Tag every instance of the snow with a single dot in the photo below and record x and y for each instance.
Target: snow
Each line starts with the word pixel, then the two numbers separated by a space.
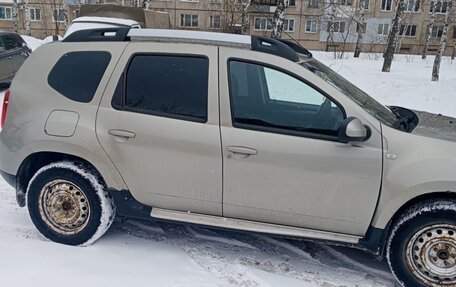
pixel 408 84
pixel 32 43
pixel 134 253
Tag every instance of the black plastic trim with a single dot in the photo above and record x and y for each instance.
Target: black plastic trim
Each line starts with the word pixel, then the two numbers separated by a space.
pixel 296 47
pixel 375 241
pixel 128 206
pixel 274 47
pixel 98 35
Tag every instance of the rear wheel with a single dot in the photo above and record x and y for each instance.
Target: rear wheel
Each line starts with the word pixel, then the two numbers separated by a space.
pixel 421 249
pixel 69 204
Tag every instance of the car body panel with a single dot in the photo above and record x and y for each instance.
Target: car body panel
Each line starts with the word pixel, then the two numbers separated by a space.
pixel 170 163
pixel 414 165
pixel 293 180
pixel 31 102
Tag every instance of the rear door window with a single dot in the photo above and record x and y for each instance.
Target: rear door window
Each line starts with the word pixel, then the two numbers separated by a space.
pixel 168 86
pixel 76 75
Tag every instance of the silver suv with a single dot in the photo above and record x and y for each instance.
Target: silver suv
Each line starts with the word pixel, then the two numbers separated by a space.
pixel 241 132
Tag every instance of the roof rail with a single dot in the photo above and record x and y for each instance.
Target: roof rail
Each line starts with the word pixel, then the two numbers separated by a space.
pixel 114 34
pixel 296 47
pixel 281 48
pixel 273 46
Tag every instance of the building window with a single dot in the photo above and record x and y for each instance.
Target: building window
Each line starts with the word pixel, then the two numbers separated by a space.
pixel 366 4
pixel 383 29
pixel 214 22
pixel 311 26
pixel 412 6
pixel 386 5
pixel 58 15
pixel 346 2
pixel 35 14
pixel 314 3
pixel 338 27
pixel 361 28
pixel 262 24
pixel 6 13
pixel 289 25
pixel 454 32
pixel 188 20
pixel 437 31
pixel 409 32
pixel 439 6
pixel 291 2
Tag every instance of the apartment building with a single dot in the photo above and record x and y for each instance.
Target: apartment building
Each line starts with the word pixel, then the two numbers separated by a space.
pixel 47 17
pixel 306 21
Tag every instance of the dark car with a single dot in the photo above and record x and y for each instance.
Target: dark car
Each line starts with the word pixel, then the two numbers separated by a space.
pixel 13 52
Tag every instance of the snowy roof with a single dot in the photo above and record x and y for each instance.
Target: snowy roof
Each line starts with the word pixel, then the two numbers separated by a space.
pixel 189 36
pixel 109 20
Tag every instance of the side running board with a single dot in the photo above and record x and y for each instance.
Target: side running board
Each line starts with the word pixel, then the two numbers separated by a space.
pixel 253 226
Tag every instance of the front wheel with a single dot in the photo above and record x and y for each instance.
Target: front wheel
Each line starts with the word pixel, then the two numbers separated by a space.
pixel 421 249
pixel 69 203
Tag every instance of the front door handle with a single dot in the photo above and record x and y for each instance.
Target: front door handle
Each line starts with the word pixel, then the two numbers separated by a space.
pixel 121 133
pixel 242 150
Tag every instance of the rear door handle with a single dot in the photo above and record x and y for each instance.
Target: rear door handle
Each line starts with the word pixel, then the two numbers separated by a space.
pixel 242 150
pixel 121 133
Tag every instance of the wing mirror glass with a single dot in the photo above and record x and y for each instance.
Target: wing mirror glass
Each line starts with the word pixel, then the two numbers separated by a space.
pixel 353 130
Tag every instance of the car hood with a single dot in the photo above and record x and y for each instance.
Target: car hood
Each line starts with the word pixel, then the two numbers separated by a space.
pixel 435 126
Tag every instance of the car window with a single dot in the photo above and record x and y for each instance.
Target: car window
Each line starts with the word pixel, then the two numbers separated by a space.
pixel 11 43
pixel 265 97
pixel 2 44
pixel 76 75
pixel 170 86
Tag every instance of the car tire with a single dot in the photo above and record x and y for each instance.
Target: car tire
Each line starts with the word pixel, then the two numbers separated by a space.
pixel 68 203
pixel 421 249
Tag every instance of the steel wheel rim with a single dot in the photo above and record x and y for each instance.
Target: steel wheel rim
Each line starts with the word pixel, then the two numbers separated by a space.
pixel 431 255
pixel 64 207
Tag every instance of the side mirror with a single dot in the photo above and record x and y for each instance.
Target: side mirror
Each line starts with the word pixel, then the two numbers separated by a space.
pixel 353 130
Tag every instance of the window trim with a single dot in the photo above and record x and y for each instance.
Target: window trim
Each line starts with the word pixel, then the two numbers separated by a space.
pixel 11 13
pixel 316 26
pixel 123 93
pixel 303 134
pixel 34 13
pixel 386 10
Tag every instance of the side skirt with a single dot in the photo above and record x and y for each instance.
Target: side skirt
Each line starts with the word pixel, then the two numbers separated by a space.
pixel 245 225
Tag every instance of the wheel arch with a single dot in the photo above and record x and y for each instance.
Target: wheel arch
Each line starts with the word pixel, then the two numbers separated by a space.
pixel 33 162
pixel 403 208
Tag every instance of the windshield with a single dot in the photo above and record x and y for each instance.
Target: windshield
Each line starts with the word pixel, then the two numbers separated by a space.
pixel 373 107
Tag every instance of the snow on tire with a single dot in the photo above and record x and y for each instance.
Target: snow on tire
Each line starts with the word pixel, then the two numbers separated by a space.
pixel 421 248
pixel 69 203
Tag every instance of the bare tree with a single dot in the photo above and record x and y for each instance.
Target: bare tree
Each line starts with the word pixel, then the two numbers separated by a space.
pixel 231 11
pixel 453 55
pixel 245 16
pixel 332 10
pixel 392 39
pixel 361 27
pixel 407 20
pixel 429 31
pixel 15 17
pixel 27 18
pixel 443 42
pixel 277 21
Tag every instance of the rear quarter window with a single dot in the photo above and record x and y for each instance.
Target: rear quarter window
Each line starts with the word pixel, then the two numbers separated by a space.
pixel 76 75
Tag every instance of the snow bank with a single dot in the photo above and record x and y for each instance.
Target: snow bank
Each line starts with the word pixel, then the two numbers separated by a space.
pixel 408 84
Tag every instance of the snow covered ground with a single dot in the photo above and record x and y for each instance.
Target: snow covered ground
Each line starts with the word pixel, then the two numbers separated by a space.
pixel 135 253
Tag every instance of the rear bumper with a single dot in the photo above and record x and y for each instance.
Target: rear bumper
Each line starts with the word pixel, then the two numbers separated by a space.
pixel 11 180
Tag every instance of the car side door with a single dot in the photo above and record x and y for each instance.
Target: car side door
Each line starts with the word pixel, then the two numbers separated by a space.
pixel 158 122
pixel 283 162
